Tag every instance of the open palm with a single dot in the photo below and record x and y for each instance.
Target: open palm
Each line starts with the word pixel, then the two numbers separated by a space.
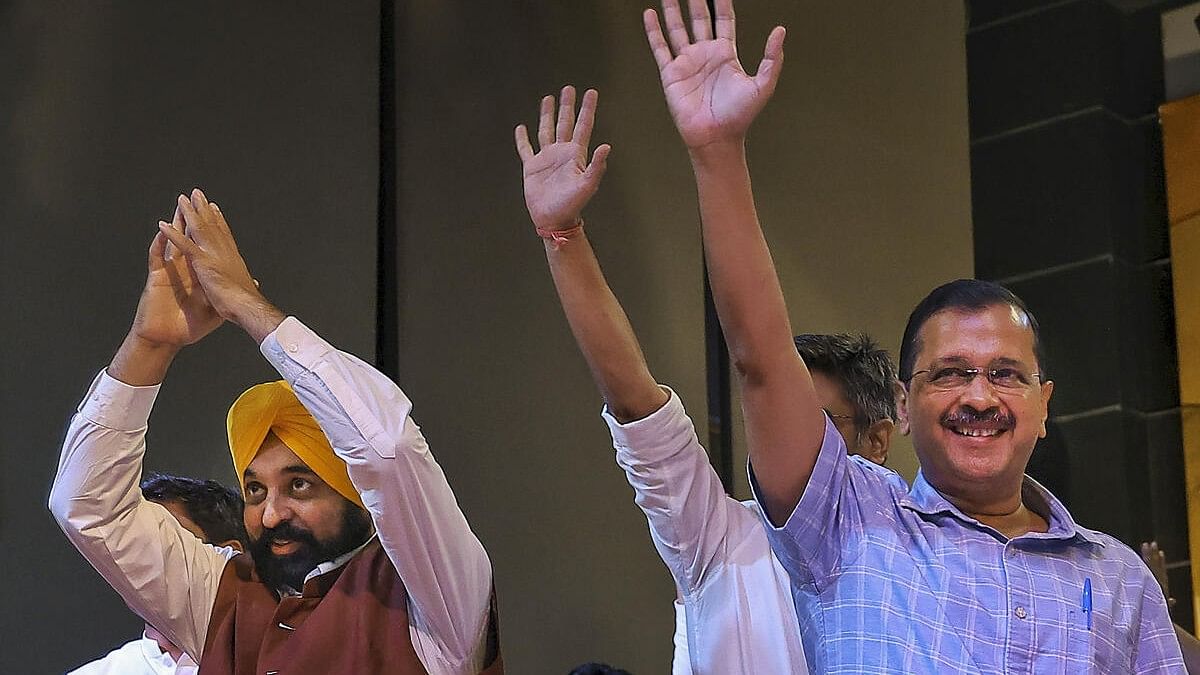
pixel 558 178
pixel 710 95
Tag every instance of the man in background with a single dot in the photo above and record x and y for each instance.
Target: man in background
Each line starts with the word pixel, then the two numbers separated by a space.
pixel 213 513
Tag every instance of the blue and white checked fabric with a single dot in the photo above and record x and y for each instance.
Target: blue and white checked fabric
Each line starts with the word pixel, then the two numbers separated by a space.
pixel 890 580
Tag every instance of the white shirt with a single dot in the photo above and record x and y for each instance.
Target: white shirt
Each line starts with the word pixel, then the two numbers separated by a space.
pixel 170 578
pixel 138 657
pixel 738 615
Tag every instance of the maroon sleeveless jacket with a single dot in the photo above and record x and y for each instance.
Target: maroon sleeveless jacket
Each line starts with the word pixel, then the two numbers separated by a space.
pixel 350 620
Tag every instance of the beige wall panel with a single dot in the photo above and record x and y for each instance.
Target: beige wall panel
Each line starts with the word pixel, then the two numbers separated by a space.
pixel 1181 135
pixel 1185 271
pixel 862 175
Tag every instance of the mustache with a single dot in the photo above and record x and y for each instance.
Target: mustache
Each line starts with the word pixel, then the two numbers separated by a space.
pixel 287 530
pixel 992 417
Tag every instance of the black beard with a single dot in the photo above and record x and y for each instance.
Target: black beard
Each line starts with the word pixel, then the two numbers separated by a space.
pixel 288 571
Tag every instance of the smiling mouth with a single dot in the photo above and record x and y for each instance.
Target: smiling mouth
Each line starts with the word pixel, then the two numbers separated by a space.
pixel 973 432
pixel 284 546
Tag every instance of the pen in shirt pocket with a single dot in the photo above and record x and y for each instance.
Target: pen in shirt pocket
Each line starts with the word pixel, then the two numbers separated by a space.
pixel 1087 601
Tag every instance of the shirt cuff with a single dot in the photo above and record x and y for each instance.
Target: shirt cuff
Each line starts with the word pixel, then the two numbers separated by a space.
pixel 292 341
pixel 112 404
pixel 653 437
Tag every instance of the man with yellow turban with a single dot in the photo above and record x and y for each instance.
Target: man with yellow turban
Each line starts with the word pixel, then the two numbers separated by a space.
pixel 360 560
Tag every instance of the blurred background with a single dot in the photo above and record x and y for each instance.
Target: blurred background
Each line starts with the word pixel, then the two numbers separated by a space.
pixel 363 155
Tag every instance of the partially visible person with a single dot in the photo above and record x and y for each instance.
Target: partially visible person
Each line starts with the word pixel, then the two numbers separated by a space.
pixel 1156 560
pixel 211 512
pixel 597 669
pixel 735 612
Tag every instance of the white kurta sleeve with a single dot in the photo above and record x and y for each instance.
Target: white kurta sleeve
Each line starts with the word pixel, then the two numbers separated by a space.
pixel 676 487
pixel 421 527
pixel 163 572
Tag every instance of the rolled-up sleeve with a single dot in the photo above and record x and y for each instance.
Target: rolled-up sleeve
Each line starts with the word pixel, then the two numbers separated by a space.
pixel 677 489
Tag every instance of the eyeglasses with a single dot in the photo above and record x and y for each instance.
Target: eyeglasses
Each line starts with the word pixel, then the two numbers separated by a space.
pixel 835 417
pixel 1005 378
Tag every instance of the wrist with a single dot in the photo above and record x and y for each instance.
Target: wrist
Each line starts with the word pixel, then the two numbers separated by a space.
pixel 718 153
pixel 137 343
pixel 257 316
pixel 140 362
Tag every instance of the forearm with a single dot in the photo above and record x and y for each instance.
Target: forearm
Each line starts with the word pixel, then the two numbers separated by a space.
pixel 783 419
pixel 141 363
pixel 745 286
pixel 602 331
pixel 257 316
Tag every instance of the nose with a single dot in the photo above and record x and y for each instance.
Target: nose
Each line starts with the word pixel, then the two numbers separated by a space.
pixel 275 511
pixel 979 393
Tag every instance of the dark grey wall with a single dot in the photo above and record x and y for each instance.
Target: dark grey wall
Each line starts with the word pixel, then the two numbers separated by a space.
pixel 109 111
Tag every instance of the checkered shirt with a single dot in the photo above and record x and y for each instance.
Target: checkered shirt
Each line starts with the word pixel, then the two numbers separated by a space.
pixel 891 580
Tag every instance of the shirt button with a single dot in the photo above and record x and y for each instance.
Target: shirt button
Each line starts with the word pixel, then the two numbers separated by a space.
pixel 1012 553
pixel 293 348
pixel 1021 613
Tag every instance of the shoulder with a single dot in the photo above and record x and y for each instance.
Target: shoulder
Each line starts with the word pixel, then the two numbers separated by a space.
pixel 879 477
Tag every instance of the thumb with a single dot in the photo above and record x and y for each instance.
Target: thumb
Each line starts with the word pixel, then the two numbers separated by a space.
pixel 158 249
pixel 772 62
pixel 595 170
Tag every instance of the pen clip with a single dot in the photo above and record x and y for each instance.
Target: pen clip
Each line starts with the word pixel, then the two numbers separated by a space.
pixel 1087 601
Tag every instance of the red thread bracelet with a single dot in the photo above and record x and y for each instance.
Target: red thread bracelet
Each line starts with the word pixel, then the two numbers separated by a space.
pixel 559 237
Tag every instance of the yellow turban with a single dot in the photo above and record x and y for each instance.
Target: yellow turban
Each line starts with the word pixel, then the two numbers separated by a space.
pixel 273 407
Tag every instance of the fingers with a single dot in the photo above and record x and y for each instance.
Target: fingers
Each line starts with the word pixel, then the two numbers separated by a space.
pixel 566 114
pixel 158 248
pixel 772 63
pixel 524 148
pixel 179 239
pixel 218 217
pixel 193 223
pixel 595 170
pixel 654 35
pixel 676 31
pixel 701 20
pixel 587 119
pixel 546 122
pixel 726 24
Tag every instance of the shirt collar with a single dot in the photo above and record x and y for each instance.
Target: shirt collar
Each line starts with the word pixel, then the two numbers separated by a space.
pixel 328 566
pixel 926 500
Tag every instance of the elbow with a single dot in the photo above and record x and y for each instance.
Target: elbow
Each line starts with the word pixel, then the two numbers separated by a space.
pixel 59 504
pixel 750 372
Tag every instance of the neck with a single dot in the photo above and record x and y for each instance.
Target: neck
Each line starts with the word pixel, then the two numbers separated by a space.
pixel 164 644
pixel 1007 513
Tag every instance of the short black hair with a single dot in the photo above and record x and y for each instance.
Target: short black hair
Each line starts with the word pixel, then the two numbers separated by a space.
pixel 862 367
pixel 215 508
pixel 965 295
pixel 597 669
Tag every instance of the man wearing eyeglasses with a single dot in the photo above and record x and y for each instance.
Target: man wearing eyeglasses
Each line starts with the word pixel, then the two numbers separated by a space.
pixel 976 568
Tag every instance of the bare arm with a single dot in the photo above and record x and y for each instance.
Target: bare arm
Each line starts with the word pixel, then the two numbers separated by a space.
pixel 713 101
pixel 558 184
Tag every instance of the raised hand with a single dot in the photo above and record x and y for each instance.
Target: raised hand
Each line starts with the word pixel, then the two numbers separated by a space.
pixel 173 311
pixel 558 179
pixel 710 95
pixel 211 251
